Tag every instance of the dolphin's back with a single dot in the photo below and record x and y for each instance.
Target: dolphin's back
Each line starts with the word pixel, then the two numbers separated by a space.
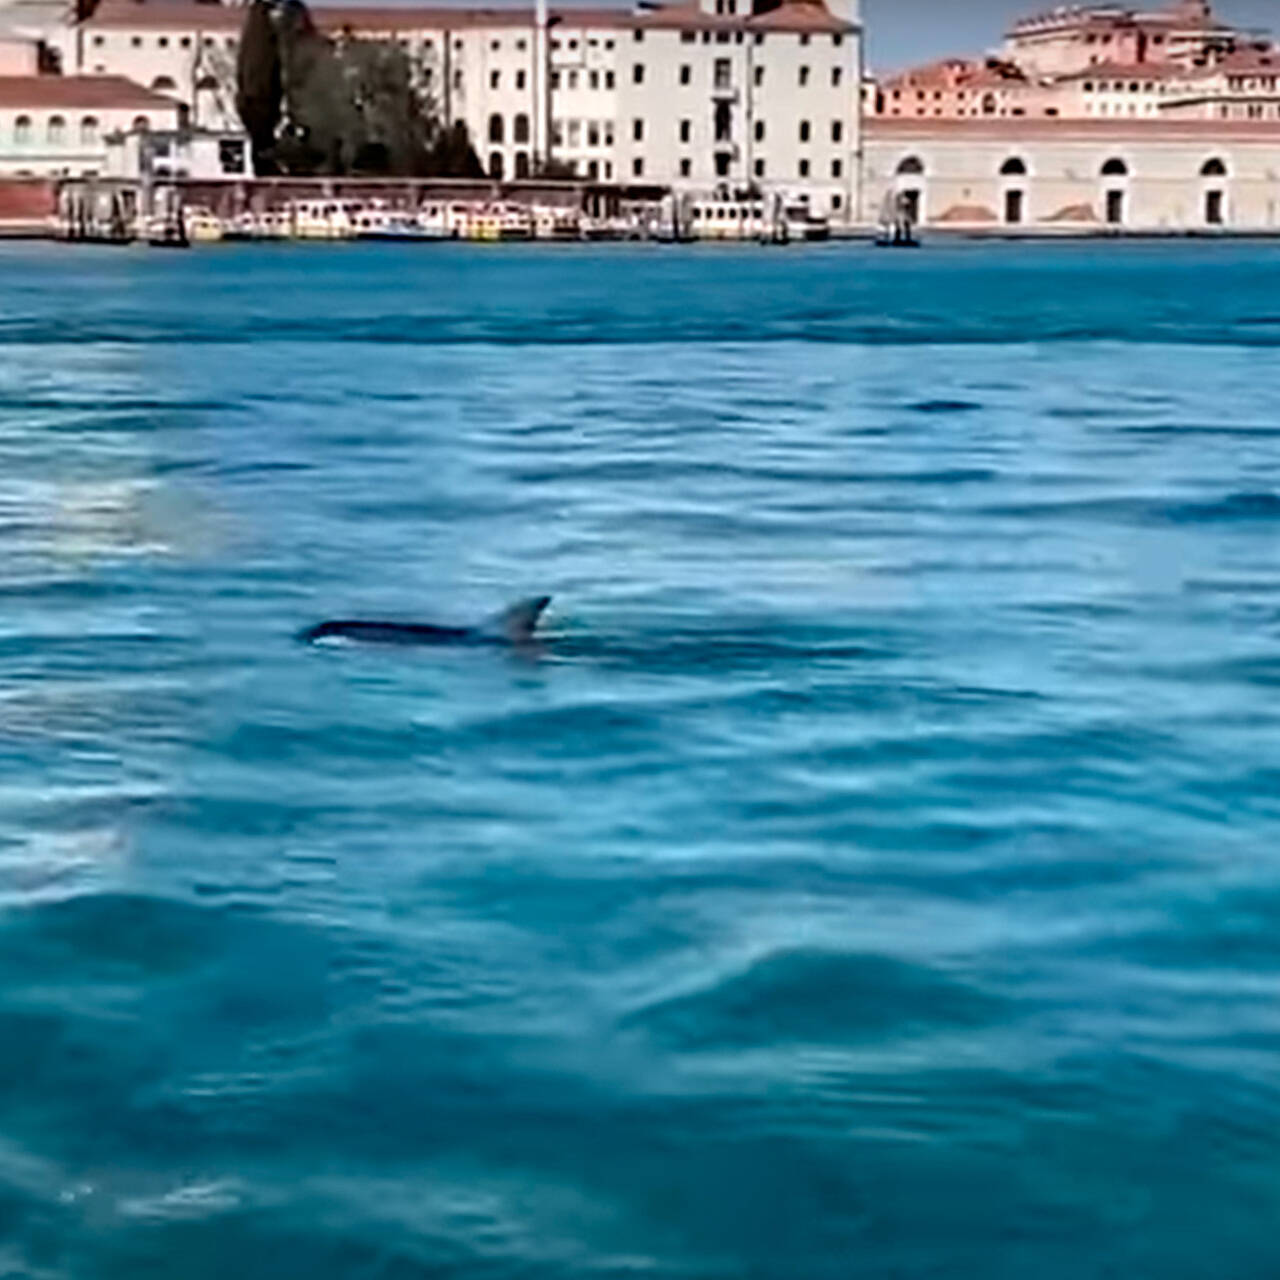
pixel 367 632
pixel 513 626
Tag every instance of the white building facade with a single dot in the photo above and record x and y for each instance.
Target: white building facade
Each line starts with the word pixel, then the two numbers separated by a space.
pixel 706 96
pixel 54 126
pixel 1073 176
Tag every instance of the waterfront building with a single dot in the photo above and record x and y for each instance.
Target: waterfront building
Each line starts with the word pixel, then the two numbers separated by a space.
pixel 715 95
pixel 1072 176
pixel 1098 61
pixel 53 125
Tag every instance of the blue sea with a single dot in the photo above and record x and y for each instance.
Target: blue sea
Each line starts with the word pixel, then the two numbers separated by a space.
pixel 875 873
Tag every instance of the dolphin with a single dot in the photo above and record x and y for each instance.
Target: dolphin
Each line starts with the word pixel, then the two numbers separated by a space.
pixel 514 626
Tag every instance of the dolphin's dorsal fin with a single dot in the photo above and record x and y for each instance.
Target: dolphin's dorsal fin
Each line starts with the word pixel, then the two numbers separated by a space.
pixel 517 624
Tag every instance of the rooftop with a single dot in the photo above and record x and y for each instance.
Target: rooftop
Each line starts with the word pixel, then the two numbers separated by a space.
pixel 74 92
pixel 188 15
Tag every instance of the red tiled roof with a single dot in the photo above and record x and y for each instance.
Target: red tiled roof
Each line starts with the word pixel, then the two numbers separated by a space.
pixel 791 16
pixel 74 92
pixel 1248 62
pixel 955 73
pixel 1131 71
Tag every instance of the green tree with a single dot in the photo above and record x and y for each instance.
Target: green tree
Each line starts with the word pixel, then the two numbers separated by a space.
pixel 259 83
pixel 452 155
pixel 348 106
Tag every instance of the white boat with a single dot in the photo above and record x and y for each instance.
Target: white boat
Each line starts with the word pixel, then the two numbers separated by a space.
pixel 801 223
pixel 725 218
pixel 325 219
pixel 202 224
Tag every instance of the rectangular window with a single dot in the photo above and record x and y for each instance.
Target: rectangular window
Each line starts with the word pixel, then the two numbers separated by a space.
pixel 804 131
pixel 595 79
pixel 555 79
pixel 759 37
pixel 1115 208
pixel 686 130
pixel 608 79
pixel 837 39
pixel 686 168
pixel 1213 208
pixel 573 79
pixel 163 42
pixel 804 76
pixel 804 168
pixel 457 79
pixel 837 168
pixel 835 77
pixel 837 130
pixel 639 36
pixel 608 133
pixel 759 130
pixel 759 168
pixel 637 73
pixel 723 73
pixel 686 73
pixel 637 130
pixel 637 167
pixel 98 42
pixel 522 45
pixel 593 134
pixel 495 45
pixel 494 77
pixel 136 42
pixel 1013 207
pixel 519 79
pixel 804 39
pixel 722 165
pixel 557 133
pixel 759 76
pixel 688 37
pixel 575 132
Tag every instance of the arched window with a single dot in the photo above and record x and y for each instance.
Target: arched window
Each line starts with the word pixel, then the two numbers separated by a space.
pixel 911 165
pixel 89 131
pixel 1115 168
pixel 56 131
pixel 521 130
pixel 163 84
pixel 22 131
pixel 495 165
pixel 522 164
pixel 141 124
pixel 1013 167
pixel 988 104
pixel 495 128
pixel 1214 168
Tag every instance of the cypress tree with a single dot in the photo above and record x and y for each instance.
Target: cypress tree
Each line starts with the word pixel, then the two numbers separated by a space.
pixel 259 83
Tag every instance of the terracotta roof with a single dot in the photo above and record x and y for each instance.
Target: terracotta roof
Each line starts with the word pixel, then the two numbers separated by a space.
pixel 791 16
pixel 1247 62
pixel 1130 71
pixel 955 73
pixel 1068 129
pixel 74 92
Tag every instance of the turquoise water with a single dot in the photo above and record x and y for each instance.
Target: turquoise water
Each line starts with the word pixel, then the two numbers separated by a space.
pixel 877 875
